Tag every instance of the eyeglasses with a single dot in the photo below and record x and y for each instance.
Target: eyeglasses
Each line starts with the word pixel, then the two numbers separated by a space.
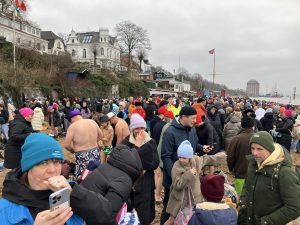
pixel 55 162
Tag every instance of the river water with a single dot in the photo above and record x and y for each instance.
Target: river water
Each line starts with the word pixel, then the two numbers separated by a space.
pixel 282 100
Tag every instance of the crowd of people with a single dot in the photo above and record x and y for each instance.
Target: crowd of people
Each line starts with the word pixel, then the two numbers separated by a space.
pixel 136 153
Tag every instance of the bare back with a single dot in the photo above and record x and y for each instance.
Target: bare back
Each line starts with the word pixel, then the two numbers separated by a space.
pixel 83 134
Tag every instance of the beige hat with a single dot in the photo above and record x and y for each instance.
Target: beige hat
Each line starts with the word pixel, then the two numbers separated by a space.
pixel 110 115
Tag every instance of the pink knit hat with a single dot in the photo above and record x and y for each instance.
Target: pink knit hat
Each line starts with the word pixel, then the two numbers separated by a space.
pixel 288 112
pixel 136 121
pixel 26 112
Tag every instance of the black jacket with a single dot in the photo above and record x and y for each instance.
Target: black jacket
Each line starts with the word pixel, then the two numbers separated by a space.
pixel 101 194
pixel 150 110
pixel 157 130
pixel 207 135
pixel 152 124
pixel 142 198
pixel 19 129
pixel 267 121
pixel 4 114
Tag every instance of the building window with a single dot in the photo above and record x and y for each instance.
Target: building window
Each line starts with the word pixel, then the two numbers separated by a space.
pixel 102 51
pixel 101 39
pixel 33 30
pixel 44 48
pixel 84 53
pixel 107 53
pixel 73 52
pixel 58 45
pixel 18 40
pixel 104 39
pixel 23 27
pixel 38 46
pixel 87 39
pixel 29 43
pixel 73 41
pixel 29 29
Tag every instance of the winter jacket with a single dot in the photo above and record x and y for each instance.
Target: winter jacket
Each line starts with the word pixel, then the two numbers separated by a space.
pixel 210 213
pixel 231 129
pixel 19 129
pixel 86 113
pixel 216 122
pixel 54 119
pixel 37 119
pixel 207 135
pixel 4 115
pixel 152 124
pixel 271 192
pixel 173 136
pixel 268 121
pixel 102 193
pixel 20 204
pixel 237 151
pixel 143 191
pixel 150 110
pixel 200 109
pixel 182 178
pixel 157 130
pixel 161 165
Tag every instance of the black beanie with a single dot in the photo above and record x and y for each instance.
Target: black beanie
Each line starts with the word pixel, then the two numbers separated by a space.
pixel 187 111
pixel 163 103
pixel 247 122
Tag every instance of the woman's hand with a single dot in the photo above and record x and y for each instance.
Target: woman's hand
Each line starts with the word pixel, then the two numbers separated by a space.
pixel 193 171
pixel 140 138
pixel 56 217
pixel 57 183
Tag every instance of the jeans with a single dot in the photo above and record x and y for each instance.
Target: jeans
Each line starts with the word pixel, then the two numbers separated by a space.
pixel 4 130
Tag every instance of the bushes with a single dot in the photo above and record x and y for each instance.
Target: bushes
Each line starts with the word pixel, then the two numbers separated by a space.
pixel 128 87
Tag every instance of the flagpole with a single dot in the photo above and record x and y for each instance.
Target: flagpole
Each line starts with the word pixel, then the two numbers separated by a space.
pixel 214 73
pixel 14 45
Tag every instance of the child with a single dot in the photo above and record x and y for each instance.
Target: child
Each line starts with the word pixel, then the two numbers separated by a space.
pixel 106 141
pixel 213 211
pixel 186 172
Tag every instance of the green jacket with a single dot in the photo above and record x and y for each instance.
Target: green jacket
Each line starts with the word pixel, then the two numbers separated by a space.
pixel 271 194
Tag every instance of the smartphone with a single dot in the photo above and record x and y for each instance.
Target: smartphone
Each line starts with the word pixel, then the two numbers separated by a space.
pixel 59 199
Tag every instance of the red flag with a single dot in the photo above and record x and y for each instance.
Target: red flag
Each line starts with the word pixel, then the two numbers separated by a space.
pixel 21 5
pixel 211 51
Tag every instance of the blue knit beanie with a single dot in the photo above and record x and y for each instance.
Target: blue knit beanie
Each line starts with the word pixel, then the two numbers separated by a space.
pixel 185 150
pixel 38 148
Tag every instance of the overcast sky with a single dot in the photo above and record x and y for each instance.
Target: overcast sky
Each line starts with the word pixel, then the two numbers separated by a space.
pixel 254 39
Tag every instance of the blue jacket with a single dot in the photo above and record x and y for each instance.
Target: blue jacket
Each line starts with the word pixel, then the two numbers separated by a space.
pixel 173 136
pixel 14 214
pixel 214 217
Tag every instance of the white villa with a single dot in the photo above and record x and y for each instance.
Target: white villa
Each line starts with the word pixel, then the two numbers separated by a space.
pixel 96 48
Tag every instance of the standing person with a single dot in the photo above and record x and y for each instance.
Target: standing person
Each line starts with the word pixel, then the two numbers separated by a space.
pixel 143 193
pixel 271 192
pixel 139 109
pixel 237 151
pixel 268 121
pixel 82 139
pixel 259 112
pixel 122 113
pixel 179 130
pixel 54 118
pixel 186 172
pixel 108 135
pixel 232 128
pixel 4 116
pixel 131 106
pixel 121 128
pixel 213 211
pixel 151 110
pixel 106 107
pixel 214 118
pixel 67 109
pixel 159 116
pixel 37 118
pixel 85 111
pixel 19 129
pixel 11 109
pixel 27 189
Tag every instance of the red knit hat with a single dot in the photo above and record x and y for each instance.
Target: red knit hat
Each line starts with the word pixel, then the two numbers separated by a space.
pixel 169 114
pixel 212 187
pixel 162 110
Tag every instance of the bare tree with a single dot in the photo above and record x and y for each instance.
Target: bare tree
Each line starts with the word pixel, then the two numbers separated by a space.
pixel 95 50
pixel 131 37
pixel 142 56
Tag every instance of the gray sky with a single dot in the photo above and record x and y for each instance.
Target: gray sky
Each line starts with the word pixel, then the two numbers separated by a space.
pixel 256 39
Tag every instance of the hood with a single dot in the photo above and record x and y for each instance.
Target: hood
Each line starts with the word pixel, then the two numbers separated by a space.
pixel 269 115
pixel 15 191
pixel 20 118
pixel 127 160
pixel 37 110
pixel 235 119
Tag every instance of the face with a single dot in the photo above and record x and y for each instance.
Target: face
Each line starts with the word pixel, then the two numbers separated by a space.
pixel 136 131
pixel 184 161
pixel 29 118
pixel 213 110
pixel 39 174
pixel 170 100
pixel 259 152
pixel 188 120
pixel 84 104
pixel 104 124
pixel 121 107
pixel 131 99
pixel 68 104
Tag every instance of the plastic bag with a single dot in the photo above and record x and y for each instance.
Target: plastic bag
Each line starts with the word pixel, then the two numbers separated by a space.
pixel 186 210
